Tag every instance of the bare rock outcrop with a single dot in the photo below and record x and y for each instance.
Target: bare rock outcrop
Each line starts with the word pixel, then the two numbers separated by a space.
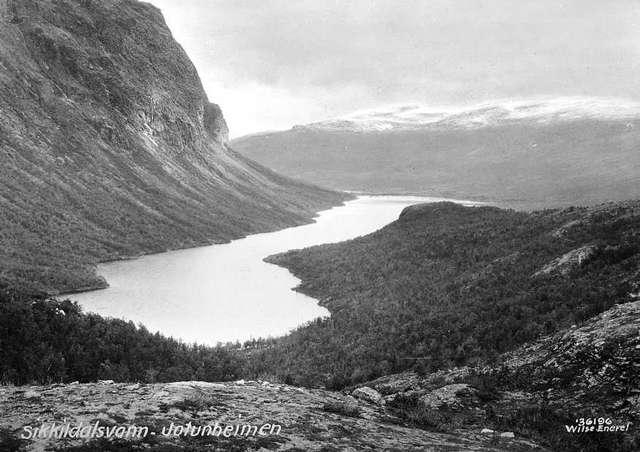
pixel 296 419
pixel 449 396
pixel 568 261
pixel 368 395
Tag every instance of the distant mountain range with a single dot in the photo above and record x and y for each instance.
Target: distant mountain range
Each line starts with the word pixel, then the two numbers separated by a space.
pixel 109 147
pixel 490 114
pixel 523 153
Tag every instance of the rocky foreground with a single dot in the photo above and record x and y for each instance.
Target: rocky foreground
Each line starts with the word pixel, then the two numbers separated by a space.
pixel 309 419
pixel 525 401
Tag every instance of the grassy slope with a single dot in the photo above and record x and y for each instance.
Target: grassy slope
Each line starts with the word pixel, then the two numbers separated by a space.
pixel 448 285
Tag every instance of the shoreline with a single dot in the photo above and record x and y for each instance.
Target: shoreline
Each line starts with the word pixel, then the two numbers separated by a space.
pixel 121 258
pixel 353 195
pixel 210 279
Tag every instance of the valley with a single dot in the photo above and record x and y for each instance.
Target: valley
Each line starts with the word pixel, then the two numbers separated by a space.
pixel 409 277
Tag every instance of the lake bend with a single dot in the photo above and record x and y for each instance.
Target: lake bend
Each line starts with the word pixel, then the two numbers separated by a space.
pixel 226 292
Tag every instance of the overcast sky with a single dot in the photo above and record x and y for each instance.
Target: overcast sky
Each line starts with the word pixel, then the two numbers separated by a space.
pixel 271 64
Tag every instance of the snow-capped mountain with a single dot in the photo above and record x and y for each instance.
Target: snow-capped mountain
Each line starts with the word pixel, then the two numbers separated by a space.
pixel 521 153
pixel 488 114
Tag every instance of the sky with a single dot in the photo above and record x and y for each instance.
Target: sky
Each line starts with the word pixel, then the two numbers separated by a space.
pixel 271 64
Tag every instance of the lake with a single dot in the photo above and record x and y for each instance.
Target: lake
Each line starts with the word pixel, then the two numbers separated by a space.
pixel 227 292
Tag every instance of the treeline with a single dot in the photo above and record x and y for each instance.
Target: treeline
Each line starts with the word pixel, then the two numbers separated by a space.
pixel 45 341
pixel 447 285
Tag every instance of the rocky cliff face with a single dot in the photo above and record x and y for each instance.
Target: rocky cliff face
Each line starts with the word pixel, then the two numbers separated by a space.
pixel 110 147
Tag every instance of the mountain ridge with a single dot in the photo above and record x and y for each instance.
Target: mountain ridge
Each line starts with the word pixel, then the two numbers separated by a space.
pixel 486 114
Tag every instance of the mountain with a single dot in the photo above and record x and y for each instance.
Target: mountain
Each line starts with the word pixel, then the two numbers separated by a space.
pixel 109 147
pixel 520 153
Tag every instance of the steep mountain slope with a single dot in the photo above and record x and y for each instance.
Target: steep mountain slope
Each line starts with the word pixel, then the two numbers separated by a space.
pixel 109 147
pixel 527 154
pixel 447 285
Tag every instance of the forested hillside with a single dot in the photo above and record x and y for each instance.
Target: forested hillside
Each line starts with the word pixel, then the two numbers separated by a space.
pixel 44 340
pixel 440 295
pixel 109 147
pixel 539 391
pixel 447 285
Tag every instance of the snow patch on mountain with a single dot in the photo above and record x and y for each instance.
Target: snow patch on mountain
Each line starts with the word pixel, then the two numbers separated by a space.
pixel 488 114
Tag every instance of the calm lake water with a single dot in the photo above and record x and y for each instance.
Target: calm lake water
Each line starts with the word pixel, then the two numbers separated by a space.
pixel 227 292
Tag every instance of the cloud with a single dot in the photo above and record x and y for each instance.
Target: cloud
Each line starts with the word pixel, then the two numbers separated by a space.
pixel 275 63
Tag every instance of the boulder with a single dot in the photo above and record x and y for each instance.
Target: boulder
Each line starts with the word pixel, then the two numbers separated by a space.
pixel 348 407
pixel 393 384
pixel 31 395
pixel 369 395
pixel 451 396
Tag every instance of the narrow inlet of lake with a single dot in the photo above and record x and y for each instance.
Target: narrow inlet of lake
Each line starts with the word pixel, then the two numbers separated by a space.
pixel 227 292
